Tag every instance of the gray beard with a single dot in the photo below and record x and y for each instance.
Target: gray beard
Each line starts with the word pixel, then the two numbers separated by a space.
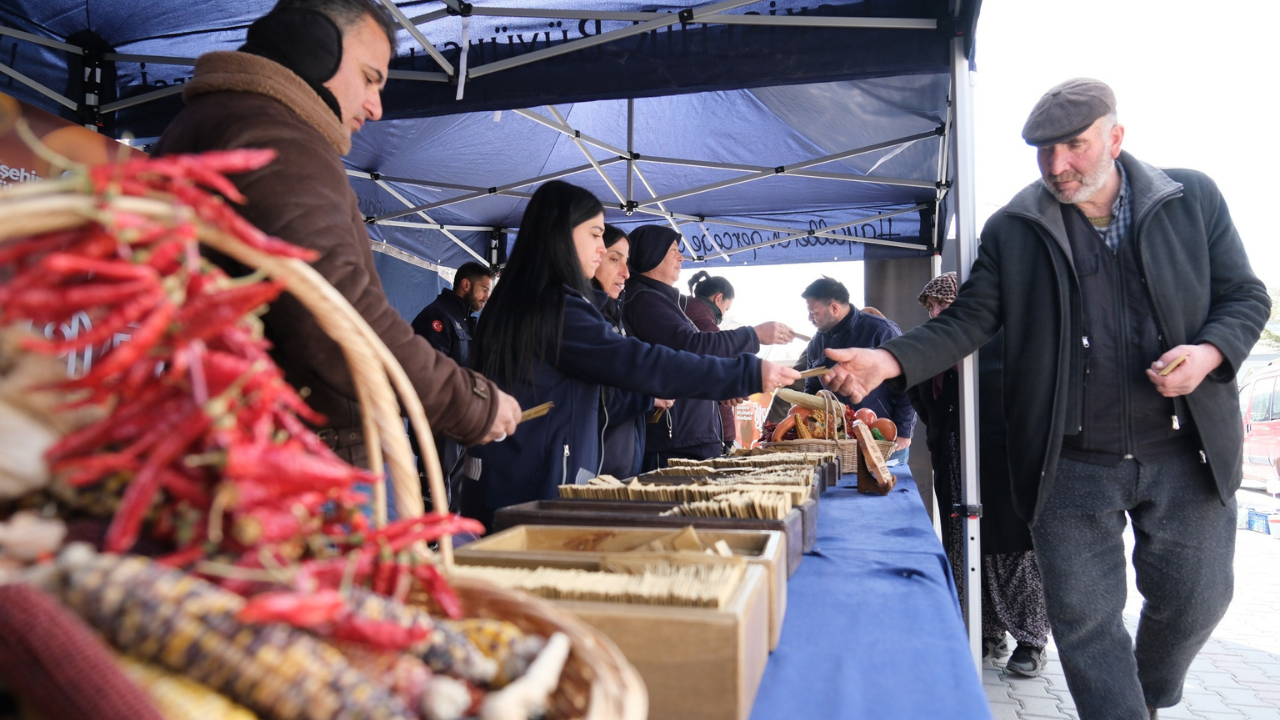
pixel 1090 184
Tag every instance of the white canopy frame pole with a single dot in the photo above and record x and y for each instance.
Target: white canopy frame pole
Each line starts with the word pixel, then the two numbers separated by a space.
pixel 508 189
pixel 408 25
pixel 397 253
pixel 967 250
pixel 590 158
pixel 944 159
pixel 631 152
pixel 670 216
pixel 408 203
pixel 783 169
pixel 664 19
pixel 565 129
pixel 767 171
pixel 34 85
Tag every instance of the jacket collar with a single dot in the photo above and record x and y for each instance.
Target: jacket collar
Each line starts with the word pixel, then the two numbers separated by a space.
pixel 242 72
pixel 716 314
pixel 1148 185
pixel 461 307
pixel 845 324
pixel 649 283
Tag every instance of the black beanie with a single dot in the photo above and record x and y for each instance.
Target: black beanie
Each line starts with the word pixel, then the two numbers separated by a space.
pixel 649 244
pixel 305 41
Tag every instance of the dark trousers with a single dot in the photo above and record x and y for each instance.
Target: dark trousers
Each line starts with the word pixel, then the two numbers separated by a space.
pixel 1184 543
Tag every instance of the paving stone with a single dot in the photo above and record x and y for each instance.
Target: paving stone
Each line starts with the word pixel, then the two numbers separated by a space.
pixel 1216 681
pixel 1040 706
pixel 1201 704
pixel 1178 712
pixel 1242 696
pixel 1005 711
pixel 1033 688
pixel 1258 713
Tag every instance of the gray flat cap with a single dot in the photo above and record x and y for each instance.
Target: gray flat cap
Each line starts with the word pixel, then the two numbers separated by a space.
pixel 1067 110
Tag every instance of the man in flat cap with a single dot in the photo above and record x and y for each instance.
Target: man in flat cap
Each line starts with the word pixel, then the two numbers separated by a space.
pixel 1128 305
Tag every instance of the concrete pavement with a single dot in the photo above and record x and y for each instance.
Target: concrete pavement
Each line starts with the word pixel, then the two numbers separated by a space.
pixel 1236 675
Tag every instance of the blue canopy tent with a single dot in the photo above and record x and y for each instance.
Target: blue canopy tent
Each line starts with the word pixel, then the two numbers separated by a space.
pixel 765 131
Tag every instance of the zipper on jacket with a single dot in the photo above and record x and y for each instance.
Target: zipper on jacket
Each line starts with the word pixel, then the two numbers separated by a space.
pixel 1122 345
pixel 1085 362
pixel 564 467
pixel 1146 287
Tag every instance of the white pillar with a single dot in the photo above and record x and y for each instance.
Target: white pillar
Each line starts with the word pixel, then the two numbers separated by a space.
pixel 967 250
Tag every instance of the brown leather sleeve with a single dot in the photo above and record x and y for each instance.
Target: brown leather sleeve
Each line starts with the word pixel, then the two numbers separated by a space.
pixel 304 197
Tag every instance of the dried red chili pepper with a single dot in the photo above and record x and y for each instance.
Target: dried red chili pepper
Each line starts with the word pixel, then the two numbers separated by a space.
pixel 185 488
pixel 289 466
pixel 438 589
pixel 206 315
pixel 304 610
pixel 122 356
pixel 102 330
pixel 379 634
pixel 127 523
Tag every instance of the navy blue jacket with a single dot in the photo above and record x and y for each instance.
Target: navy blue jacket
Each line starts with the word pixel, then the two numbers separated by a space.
pixel 860 330
pixel 447 323
pixel 622 421
pixel 653 314
pixel 563 446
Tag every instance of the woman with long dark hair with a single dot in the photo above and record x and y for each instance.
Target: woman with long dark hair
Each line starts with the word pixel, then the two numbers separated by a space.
pixel 541 339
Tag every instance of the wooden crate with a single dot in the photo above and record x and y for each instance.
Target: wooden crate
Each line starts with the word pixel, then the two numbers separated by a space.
pixel 814 487
pixel 639 513
pixel 698 663
pixel 586 547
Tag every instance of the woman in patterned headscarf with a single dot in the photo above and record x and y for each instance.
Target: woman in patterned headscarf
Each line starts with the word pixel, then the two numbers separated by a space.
pixel 1012 596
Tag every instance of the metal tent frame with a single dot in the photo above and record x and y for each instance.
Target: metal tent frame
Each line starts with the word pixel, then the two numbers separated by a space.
pixel 434 29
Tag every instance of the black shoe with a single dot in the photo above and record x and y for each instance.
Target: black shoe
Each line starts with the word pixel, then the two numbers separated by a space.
pixel 1027 660
pixel 994 648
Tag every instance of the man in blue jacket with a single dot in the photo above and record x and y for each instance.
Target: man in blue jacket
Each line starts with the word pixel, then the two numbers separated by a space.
pixel 1128 305
pixel 449 324
pixel 841 325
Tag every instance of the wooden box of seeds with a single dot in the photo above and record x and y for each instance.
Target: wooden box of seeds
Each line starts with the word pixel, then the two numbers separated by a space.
pixel 698 661
pixel 642 514
pixel 586 547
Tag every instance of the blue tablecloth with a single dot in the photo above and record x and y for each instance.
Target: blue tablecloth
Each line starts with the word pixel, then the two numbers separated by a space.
pixel 873 627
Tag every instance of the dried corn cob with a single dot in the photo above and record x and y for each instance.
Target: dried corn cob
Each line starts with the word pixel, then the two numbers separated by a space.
pixel 166 617
pixel 181 698
pixel 447 650
pixel 502 642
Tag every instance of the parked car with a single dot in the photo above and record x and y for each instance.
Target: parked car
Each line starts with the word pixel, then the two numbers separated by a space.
pixel 1260 413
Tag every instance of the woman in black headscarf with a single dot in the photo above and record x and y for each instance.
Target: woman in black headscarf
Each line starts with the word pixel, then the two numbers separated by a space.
pixel 654 313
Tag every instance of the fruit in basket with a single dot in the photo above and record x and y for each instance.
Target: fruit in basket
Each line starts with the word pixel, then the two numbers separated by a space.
pixel 788 424
pixel 886 427
pixel 866 415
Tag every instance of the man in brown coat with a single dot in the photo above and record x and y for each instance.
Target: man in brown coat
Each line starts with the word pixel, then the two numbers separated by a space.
pixel 310 75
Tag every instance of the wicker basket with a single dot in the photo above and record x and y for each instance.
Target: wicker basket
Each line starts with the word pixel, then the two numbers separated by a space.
pixel 597 682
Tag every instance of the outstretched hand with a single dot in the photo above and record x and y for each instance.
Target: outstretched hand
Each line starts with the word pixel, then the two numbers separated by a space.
pixel 858 371
pixel 774 376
